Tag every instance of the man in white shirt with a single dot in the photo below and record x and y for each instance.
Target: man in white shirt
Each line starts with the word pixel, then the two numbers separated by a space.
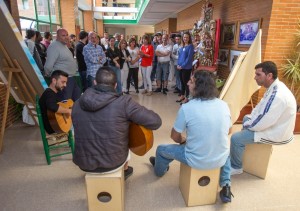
pixel 104 40
pixel 272 121
pixel 163 52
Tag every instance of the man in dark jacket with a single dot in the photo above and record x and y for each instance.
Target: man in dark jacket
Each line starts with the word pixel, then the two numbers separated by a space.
pixel 101 119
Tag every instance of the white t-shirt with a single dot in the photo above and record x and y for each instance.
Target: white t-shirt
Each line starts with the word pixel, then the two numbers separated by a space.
pixel 133 53
pixel 164 49
pixel 207 124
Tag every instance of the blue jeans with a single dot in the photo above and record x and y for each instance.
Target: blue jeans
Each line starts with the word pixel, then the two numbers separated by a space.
pixel 90 81
pixel 162 71
pixel 153 72
pixel 177 77
pixel 237 146
pixel 165 154
pixel 118 73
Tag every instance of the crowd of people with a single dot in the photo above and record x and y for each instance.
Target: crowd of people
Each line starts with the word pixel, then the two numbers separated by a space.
pixel 159 59
pixel 102 114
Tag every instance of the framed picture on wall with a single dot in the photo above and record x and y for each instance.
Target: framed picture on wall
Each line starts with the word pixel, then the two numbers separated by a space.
pixel 248 31
pixel 228 33
pixel 223 57
pixel 233 57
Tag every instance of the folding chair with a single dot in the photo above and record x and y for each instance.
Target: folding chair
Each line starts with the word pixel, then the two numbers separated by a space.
pixel 54 142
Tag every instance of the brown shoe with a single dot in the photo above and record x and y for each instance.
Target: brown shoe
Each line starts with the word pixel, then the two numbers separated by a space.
pixel 145 91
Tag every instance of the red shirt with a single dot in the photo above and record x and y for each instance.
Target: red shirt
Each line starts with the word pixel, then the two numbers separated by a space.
pixel 147 50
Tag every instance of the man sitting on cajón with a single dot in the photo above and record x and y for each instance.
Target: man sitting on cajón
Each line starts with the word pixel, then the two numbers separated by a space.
pixel 272 121
pixel 101 119
pixel 49 99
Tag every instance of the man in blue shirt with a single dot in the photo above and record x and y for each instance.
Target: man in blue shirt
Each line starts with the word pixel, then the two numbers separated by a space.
pixel 207 122
pixel 94 57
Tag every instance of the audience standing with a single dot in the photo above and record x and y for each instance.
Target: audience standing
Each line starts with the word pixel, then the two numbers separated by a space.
pixel 185 62
pixel 113 54
pixel 163 52
pixel 124 59
pixel 59 57
pixel 146 53
pixel 47 39
pixel 83 36
pixel 133 64
pixel 175 53
pixel 94 57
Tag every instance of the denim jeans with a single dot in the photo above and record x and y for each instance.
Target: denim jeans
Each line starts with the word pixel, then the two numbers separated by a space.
pixel 153 72
pixel 177 77
pixel 162 71
pixel 118 73
pixel 237 146
pixel 90 81
pixel 165 154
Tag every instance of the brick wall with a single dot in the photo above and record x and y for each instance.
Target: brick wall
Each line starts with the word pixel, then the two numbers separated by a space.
pixel 68 8
pixel 88 21
pixel 164 25
pixel 278 23
pixel 100 27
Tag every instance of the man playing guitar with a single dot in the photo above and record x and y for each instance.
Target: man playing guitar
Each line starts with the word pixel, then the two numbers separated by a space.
pixel 49 99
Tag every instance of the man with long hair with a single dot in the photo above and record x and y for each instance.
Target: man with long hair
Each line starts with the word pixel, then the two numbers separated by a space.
pixel 207 122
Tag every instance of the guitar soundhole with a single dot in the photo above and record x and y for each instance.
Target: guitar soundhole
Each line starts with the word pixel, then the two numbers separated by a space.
pixel 104 197
pixel 204 181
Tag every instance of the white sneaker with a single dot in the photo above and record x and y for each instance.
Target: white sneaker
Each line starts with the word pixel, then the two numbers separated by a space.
pixel 235 171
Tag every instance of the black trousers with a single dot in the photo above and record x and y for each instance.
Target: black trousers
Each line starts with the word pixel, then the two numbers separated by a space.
pixel 133 72
pixel 185 76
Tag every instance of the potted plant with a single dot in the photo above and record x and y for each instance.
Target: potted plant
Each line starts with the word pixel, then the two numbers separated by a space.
pixel 291 72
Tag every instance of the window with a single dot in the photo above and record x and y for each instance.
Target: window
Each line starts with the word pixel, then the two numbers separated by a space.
pixel 42 15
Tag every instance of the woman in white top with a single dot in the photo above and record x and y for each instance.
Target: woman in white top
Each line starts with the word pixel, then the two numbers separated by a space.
pixel 133 64
pixel 124 59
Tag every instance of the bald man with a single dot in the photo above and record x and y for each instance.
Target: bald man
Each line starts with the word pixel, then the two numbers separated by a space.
pixel 59 57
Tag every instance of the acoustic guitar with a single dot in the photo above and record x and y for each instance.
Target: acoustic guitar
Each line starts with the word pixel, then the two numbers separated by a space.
pixel 61 123
pixel 140 139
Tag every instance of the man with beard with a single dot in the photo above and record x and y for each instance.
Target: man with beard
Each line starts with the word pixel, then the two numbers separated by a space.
pixel 59 57
pixel 49 98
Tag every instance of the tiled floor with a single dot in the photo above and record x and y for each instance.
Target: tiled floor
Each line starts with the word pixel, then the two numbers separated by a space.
pixel 28 183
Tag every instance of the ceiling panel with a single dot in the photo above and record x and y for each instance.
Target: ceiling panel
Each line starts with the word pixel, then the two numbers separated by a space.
pixel 159 10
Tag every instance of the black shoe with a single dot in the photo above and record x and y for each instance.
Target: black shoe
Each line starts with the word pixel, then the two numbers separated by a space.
pixel 126 92
pixel 128 172
pixel 157 90
pixel 141 87
pixel 164 91
pixel 137 91
pixel 176 91
pixel 225 194
pixel 152 161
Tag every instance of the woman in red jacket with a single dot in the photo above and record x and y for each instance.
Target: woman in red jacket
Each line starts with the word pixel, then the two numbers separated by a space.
pixel 146 53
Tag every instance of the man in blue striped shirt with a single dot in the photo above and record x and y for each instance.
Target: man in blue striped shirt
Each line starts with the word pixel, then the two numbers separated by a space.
pixel 94 57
